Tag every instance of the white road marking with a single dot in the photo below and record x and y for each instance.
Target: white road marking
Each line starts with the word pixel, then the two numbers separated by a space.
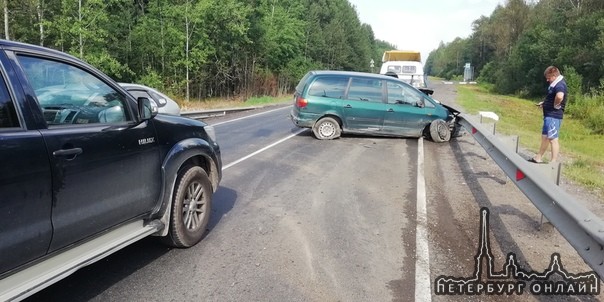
pixel 248 116
pixel 423 289
pixel 262 150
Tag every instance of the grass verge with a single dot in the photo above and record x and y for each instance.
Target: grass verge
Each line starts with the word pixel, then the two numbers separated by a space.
pixel 580 149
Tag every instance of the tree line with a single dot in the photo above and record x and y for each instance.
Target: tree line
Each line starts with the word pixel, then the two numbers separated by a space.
pixel 512 47
pixel 201 48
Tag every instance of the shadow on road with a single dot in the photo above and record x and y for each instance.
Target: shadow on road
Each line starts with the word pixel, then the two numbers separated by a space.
pixel 91 281
pixel 223 201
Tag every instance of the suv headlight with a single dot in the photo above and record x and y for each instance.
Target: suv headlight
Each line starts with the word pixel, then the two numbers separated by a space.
pixel 211 132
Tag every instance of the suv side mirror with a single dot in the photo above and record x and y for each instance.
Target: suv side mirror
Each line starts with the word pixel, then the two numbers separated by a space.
pixel 147 109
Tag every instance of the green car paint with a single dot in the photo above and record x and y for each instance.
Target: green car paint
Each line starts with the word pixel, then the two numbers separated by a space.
pixel 366 103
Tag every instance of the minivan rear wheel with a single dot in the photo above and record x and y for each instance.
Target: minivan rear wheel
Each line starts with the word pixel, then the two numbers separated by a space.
pixel 326 128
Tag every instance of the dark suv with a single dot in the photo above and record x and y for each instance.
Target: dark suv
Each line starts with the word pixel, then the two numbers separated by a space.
pixel 87 169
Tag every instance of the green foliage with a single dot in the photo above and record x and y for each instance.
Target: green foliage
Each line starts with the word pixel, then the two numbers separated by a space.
pixel 521 38
pixel 589 109
pixel 151 79
pixel 528 61
pixel 202 48
pixel 297 68
pixel 595 119
pixel 266 100
pixel 512 47
pixel 107 64
pixel 573 82
pixel 283 35
pixel 586 172
pixel 586 107
pixel 487 73
pixel 378 51
pixel 458 78
pixel 448 60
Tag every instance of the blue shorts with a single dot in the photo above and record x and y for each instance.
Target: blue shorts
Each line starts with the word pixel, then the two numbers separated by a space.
pixel 551 127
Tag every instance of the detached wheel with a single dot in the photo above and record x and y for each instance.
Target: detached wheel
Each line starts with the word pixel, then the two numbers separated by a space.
pixel 326 128
pixel 440 131
pixel 191 207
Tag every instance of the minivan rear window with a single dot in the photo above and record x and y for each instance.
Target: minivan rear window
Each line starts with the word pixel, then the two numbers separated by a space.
pixel 329 87
pixel 300 86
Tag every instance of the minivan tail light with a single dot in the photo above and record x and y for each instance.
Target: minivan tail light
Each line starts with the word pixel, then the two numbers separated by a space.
pixel 301 102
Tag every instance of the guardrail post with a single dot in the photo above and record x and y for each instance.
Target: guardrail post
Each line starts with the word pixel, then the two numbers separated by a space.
pixel 551 171
pixel 490 115
pixel 512 143
pixel 493 129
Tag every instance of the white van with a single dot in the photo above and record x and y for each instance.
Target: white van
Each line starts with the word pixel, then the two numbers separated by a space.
pixel 406 65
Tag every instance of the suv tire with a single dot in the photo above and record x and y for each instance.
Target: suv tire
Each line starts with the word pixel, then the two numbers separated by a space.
pixel 327 128
pixel 191 207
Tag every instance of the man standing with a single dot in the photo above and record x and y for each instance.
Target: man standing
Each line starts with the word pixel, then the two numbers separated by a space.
pixel 553 112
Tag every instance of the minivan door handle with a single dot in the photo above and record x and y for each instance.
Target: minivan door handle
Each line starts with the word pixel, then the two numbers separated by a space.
pixel 347 106
pixel 67 153
pixel 390 110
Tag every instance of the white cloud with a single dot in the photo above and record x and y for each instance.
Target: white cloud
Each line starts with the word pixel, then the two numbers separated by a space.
pixel 423 24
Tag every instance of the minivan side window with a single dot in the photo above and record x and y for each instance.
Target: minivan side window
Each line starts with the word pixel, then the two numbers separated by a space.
pixel 428 104
pixel 362 89
pixel 414 97
pixel 395 93
pixel 329 87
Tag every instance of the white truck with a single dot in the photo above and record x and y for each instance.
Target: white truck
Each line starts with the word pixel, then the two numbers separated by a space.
pixel 405 65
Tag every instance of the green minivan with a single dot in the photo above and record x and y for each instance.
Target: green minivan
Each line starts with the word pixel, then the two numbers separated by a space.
pixel 332 102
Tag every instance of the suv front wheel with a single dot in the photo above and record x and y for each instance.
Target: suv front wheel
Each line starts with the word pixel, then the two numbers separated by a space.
pixel 191 208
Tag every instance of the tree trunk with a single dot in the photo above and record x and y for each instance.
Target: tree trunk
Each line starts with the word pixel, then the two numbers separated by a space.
pixel 80 31
pixel 187 50
pixel 6 35
pixel 40 20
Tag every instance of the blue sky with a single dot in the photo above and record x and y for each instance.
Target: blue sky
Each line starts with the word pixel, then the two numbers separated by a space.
pixel 422 24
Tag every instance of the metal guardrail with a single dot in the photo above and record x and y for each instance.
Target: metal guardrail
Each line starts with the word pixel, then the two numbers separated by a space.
pixel 581 228
pixel 214 112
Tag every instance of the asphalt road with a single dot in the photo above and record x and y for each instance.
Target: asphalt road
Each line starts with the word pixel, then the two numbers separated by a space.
pixel 298 219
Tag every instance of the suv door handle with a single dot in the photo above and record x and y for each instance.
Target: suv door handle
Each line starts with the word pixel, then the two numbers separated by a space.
pixel 390 110
pixel 72 153
pixel 347 106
